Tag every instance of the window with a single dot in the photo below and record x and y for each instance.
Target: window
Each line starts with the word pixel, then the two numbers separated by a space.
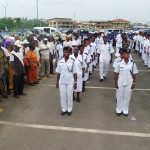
pixel 47 30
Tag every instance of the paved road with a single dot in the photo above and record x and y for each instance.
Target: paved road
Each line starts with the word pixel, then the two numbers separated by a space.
pixel 34 122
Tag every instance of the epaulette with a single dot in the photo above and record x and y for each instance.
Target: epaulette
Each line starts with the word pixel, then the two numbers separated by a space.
pixel 86 53
pixel 60 60
pixel 119 61
pixel 72 59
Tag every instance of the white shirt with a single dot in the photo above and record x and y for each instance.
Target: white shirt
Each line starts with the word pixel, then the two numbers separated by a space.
pixel 118 60
pixel 67 44
pixel 17 54
pixel 66 70
pixel 6 53
pixel 45 53
pixel 125 72
pixel 146 45
pixel 134 38
pixel 51 47
pixel 105 51
pixel 60 52
pixel 86 55
pixel 80 64
pixel 93 48
pixel 37 50
pixel 76 42
pixel 119 40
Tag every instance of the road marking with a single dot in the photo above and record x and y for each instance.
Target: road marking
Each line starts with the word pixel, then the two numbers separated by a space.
pixel 71 129
pixel 113 70
pixel 95 87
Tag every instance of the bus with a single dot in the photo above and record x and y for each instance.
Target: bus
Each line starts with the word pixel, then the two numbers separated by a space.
pixel 45 30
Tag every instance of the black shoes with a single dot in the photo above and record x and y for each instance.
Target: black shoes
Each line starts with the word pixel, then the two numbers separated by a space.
pixel 126 115
pixel 119 114
pixel 23 94
pixel 78 99
pixel 83 90
pixel 69 113
pixel 101 80
pixel 104 78
pixel 16 96
pixel 64 113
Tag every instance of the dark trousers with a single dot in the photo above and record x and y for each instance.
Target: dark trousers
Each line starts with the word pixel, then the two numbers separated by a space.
pixel 18 84
pixel 51 63
pixel 7 83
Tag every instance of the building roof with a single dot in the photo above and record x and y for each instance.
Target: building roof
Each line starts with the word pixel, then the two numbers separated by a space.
pixel 61 19
pixel 120 20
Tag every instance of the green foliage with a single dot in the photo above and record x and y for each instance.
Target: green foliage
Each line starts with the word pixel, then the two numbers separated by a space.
pixel 14 24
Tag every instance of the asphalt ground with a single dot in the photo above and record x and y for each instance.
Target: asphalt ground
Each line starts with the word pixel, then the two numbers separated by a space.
pixel 33 122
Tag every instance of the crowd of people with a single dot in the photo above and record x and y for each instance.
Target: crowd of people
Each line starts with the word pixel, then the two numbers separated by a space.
pixel 24 61
pixel 75 58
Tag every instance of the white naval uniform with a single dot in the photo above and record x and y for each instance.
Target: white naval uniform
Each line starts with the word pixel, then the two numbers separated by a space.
pixel 105 51
pixel 87 59
pixel 137 47
pixel 115 63
pixel 118 44
pixel 66 71
pixel 148 59
pixel 80 65
pixel 59 49
pixel 76 42
pixel 93 52
pixel 125 81
pixel 67 44
pixel 145 54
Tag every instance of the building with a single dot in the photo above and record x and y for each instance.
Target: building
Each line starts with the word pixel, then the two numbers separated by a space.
pixel 101 25
pixel 63 23
pixel 67 23
pixel 84 25
pixel 120 24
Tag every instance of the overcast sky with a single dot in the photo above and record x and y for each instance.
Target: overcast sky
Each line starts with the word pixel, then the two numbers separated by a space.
pixel 132 10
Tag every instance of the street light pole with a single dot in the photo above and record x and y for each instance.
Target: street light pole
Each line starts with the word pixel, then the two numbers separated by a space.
pixel 37 6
